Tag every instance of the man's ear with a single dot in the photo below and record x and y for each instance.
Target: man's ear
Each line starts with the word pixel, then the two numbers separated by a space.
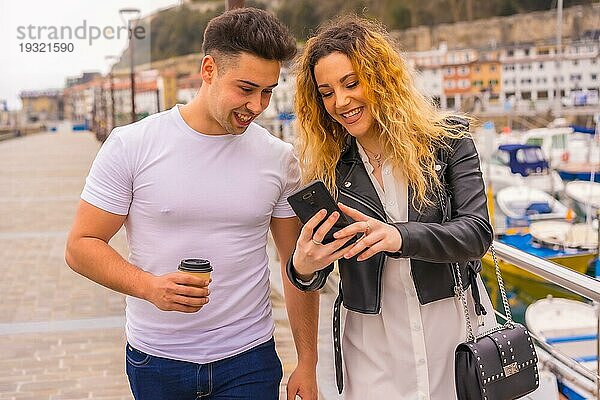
pixel 208 69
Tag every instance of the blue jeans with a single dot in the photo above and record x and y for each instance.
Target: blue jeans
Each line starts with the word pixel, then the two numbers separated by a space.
pixel 253 374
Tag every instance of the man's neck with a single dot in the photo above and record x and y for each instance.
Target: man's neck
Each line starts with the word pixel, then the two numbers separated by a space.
pixel 196 116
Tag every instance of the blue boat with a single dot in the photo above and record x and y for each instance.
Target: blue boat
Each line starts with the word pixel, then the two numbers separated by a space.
pixel 570 173
pixel 521 165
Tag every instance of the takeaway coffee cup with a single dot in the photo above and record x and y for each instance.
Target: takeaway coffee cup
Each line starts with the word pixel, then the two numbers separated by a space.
pixel 196 266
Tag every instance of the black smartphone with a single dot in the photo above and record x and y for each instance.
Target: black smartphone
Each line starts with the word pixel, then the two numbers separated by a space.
pixel 310 199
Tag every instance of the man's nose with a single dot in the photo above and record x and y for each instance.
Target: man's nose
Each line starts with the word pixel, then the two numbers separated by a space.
pixel 255 104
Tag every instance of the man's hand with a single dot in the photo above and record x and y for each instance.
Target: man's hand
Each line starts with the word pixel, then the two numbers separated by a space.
pixel 303 383
pixel 178 291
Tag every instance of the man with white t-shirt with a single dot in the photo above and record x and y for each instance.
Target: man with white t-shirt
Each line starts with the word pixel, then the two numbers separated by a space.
pixel 203 181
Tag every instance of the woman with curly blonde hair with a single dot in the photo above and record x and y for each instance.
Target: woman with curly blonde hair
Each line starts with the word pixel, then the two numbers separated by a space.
pixel 409 178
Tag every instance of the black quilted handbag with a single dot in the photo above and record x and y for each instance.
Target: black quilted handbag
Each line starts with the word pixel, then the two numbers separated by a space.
pixel 501 364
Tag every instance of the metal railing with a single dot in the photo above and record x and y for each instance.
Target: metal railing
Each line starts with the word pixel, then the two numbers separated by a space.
pixel 578 283
pixel 575 282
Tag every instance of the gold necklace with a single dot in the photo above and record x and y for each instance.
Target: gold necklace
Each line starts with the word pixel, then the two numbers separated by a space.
pixel 376 157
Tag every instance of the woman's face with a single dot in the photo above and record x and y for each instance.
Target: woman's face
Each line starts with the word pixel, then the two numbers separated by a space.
pixel 342 94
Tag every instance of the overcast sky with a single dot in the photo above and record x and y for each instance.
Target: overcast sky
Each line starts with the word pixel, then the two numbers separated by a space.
pixel 32 71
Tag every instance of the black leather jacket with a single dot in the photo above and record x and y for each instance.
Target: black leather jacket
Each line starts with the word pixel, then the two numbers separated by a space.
pixel 431 245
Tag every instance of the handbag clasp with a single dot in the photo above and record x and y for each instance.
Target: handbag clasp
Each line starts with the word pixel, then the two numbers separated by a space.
pixel 511 369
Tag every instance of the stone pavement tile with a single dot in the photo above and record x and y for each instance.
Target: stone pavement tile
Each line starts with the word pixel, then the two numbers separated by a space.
pixel 24 216
pixel 8 387
pixel 71 395
pixel 40 189
pixel 68 363
pixel 37 285
pixel 18 395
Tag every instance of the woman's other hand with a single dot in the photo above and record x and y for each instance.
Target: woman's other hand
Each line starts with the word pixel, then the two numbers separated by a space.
pixel 311 254
pixel 377 236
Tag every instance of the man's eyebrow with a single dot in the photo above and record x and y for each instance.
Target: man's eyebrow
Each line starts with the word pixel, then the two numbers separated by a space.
pixel 342 79
pixel 250 83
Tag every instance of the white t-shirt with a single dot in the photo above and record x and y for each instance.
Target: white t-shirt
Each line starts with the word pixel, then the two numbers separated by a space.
pixel 190 195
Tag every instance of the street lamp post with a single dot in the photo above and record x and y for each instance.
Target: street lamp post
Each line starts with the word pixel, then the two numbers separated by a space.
pixel 131 15
pixel 558 63
pixel 112 91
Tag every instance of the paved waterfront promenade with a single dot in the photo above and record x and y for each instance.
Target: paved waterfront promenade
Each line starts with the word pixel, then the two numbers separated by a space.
pixel 61 336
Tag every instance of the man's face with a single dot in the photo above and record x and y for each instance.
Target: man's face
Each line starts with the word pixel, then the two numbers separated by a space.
pixel 239 91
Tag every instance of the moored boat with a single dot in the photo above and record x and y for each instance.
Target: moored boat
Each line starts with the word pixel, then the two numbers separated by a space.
pixel 523 202
pixel 555 241
pixel 585 195
pixel 579 171
pixel 521 165
pixel 567 334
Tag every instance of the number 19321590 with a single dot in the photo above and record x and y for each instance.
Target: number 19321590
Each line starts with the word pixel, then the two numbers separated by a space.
pixel 46 47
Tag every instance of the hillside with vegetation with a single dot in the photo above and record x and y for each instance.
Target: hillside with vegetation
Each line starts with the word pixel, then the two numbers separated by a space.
pixel 303 15
pixel 178 31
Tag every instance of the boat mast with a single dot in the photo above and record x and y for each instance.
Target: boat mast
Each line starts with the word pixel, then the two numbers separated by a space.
pixel 558 57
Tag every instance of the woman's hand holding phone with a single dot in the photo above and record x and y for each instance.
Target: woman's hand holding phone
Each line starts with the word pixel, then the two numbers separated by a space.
pixel 375 236
pixel 311 254
pixel 325 239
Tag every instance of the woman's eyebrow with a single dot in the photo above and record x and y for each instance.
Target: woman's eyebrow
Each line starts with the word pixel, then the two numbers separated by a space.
pixel 342 79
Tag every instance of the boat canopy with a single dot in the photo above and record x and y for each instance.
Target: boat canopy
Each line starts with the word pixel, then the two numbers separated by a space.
pixel 583 129
pixel 525 159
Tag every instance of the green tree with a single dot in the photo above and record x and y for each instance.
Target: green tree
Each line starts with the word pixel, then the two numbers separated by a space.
pixel 400 17
pixel 179 31
pixel 301 16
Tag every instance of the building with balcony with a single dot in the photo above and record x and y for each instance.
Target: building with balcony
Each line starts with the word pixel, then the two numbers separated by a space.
pixel 427 66
pixel 486 75
pixel 456 76
pixel 42 105
pixel 538 76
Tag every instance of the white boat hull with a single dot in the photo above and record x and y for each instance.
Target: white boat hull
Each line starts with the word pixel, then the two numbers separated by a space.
pixel 567 330
pixel 517 202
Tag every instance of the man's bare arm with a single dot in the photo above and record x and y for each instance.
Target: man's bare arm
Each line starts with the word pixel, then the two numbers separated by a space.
pixel 89 254
pixel 303 313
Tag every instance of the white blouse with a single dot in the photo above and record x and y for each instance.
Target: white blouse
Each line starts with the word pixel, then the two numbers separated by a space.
pixel 406 351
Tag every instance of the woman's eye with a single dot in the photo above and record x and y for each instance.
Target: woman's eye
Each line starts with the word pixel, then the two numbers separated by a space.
pixel 246 89
pixel 325 95
pixel 353 85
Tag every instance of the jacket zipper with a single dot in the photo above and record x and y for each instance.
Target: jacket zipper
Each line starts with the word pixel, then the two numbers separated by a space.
pixel 367 205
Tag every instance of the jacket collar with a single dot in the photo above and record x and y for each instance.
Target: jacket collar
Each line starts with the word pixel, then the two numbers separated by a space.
pixel 349 152
pixel 353 176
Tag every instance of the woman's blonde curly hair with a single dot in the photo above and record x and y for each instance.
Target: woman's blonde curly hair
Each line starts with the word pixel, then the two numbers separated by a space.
pixel 409 127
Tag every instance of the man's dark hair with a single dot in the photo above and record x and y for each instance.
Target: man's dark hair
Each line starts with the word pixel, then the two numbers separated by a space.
pixel 249 30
